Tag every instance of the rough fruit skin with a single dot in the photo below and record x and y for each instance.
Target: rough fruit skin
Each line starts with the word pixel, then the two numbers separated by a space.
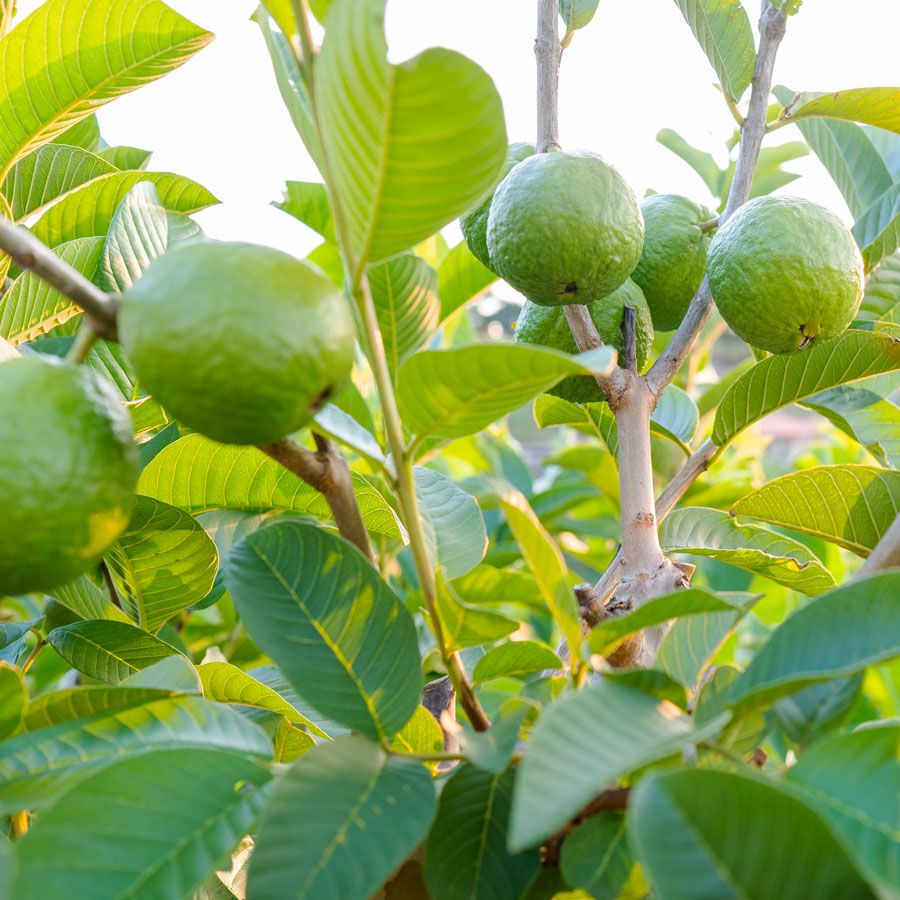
pixel 68 468
pixel 674 257
pixel 240 342
pixel 474 224
pixel 564 228
pixel 547 326
pixel 784 271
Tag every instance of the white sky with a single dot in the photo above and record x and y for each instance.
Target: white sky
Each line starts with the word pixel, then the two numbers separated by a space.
pixel 634 70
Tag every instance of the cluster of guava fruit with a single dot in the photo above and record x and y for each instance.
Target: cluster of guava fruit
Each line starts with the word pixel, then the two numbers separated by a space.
pixel 564 227
pixel 238 342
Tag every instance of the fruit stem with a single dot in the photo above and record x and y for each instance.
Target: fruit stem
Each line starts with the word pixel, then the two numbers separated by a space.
pixel 404 483
pixel 709 225
pixel 81 346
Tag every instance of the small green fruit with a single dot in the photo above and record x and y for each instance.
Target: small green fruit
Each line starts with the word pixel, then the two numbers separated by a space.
pixel 547 326
pixel 564 228
pixel 241 343
pixel 474 224
pixel 674 256
pixel 785 271
pixel 68 468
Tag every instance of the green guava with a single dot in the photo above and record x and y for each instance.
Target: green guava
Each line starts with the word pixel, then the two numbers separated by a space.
pixel 674 257
pixel 240 342
pixel 474 223
pixel 68 468
pixel 784 272
pixel 547 326
pixel 564 228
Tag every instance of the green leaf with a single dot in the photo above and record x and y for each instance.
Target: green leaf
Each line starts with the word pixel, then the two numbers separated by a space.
pixel 850 628
pixel 466 625
pixel 452 393
pixel 466 856
pixel 92 51
pixel 32 307
pixel 852 506
pixel 421 734
pixel 583 742
pixel 722 28
pixel 107 651
pixel 849 155
pixel 163 563
pixel 138 233
pixel 175 673
pixel 379 121
pixel 10 632
pixel 492 750
pixel 226 683
pixel 809 714
pixel 47 174
pixel 853 780
pixel 577 13
pixel 606 636
pixel 295 584
pixel 878 106
pixel 167 819
pixel 371 811
pixel 85 134
pixel 126 158
pixel 199 475
pixel 704 164
pixel 87 600
pixel 288 78
pixel 791 377
pixel 452 522
pixel 863 416
pixel 38 766
pixel 877 230
pixel 333 422
pixel 882 295
pixel 687 649
pixel 713 533
pixel 13 699
pixel 82 702
pixel 595 857
pixel 545 561
pixel 406 305
pixel 307 201
pixel 690 849
pixel 515 659
pixel 88 210
pixel 461 278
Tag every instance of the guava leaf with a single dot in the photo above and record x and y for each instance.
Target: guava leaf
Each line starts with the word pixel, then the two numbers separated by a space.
pixel 877 106
pixel 577 13
pixel 461 278
pixel 722 28
pixel 515 659
pixel 126 158
pixel 791 377
pixel 852 506
pixel 837 635
pixel 92 51
pixel 378 122
pixel 877 230
pixel 466 625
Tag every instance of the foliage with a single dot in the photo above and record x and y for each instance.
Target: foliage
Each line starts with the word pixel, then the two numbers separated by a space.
pixel 247 698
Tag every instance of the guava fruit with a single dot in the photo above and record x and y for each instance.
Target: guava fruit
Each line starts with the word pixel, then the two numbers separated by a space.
pixel 547 326
pixel 785 271
pixel 564 228
pixel 240 342
pixel 474 223
pixel 68 468
pixel 674 256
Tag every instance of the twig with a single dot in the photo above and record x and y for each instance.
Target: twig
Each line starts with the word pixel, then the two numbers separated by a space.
pixel 547 52
pixel 886 554
pixel 29 662
pixel 306 56
pixel 29 253
pixel 587 338
pixel 772 26
pixel 327 471
pixel 110 584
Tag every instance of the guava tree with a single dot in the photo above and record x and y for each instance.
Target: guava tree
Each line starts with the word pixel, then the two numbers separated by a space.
pixel 284 611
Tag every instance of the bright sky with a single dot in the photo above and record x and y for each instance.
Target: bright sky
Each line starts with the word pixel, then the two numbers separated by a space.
pixel 634 70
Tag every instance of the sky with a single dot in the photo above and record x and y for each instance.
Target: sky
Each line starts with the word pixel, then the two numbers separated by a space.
pixel 634 70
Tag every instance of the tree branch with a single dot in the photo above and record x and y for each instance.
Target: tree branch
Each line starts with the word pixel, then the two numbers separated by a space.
pixel 587 338
pixel 772 26
pixel 29 253
pixel 886 554
pixel 327 471
pixel 547 52
pixel 629 340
